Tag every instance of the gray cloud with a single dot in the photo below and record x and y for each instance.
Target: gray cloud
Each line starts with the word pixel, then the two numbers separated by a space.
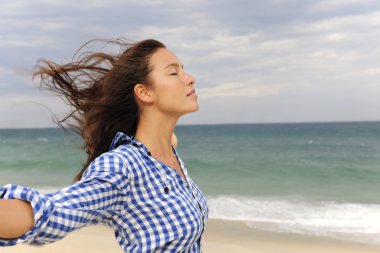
pixel 273 60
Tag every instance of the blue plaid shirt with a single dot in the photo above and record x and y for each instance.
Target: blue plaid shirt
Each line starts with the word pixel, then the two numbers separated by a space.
pixel 150 207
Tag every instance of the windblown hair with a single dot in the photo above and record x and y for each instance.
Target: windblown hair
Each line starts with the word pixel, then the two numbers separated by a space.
pixel 99 87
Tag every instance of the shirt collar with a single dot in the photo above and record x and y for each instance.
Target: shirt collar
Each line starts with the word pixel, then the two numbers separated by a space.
pixel 123 139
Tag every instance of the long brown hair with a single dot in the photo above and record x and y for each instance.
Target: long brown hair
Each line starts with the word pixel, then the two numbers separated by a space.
pixel 99 87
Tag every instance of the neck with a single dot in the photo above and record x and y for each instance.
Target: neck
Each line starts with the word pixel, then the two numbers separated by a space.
pixel 155 132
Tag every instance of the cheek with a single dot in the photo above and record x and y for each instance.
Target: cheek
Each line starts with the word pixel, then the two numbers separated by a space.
pixel 172 90
pixel 171 97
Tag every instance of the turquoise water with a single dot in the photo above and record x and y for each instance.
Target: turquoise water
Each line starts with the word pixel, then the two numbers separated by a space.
pixel 313 178
pixel 313 161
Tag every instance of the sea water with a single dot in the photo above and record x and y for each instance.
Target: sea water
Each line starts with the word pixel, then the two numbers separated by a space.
pixel 320 179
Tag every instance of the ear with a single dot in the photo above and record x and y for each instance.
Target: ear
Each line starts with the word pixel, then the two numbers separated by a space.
pixel 143 94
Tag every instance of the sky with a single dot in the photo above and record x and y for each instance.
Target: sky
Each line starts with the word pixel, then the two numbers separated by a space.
pixel 254 61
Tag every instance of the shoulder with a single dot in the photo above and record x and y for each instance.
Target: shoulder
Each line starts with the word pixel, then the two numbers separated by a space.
pixel 125 157
pixel 118 161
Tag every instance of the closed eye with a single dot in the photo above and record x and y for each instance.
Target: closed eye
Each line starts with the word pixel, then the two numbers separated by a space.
pixel 173 74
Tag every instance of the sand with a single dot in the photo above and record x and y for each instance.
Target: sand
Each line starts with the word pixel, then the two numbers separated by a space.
pixel 220 236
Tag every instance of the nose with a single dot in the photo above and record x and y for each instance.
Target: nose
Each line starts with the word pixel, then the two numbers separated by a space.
pixel 190 79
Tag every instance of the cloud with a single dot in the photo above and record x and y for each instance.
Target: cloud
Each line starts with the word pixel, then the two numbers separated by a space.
pixel 335 36
pixel 44 25
pixel 240 90
pixel 329 5
pixel 28 42
pixel 4 71
pixel 266 51
pixel 36 110
pixel 352 23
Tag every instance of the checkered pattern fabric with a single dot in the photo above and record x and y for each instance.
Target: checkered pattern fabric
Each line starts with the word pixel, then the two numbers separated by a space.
pixel 150 207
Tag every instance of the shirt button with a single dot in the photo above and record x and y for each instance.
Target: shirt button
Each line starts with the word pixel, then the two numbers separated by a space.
pixel 166 189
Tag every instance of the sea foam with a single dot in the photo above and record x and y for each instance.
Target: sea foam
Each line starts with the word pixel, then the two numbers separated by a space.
pixel 346 221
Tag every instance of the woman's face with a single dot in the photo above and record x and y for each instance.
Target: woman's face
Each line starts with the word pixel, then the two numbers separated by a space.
pixel 172 87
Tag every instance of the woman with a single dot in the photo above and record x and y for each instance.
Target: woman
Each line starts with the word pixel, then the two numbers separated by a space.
pixel 125 108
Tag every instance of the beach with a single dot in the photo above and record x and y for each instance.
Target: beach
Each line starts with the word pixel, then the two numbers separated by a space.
pixel 219 237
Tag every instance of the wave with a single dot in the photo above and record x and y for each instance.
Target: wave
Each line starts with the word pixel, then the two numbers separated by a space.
pixel 345 221
pixel 42 139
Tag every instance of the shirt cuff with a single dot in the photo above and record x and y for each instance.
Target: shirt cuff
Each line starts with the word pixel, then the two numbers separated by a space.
pixel 38 203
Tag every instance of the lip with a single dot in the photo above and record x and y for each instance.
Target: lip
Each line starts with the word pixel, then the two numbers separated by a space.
pixel 191 92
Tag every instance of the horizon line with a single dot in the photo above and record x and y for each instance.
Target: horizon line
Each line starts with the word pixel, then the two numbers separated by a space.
pixel 227 123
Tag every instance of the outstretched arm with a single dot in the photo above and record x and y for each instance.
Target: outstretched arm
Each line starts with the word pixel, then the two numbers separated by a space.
pixel 97 197
pixel 16 218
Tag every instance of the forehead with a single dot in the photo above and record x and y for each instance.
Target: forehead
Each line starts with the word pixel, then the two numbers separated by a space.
pixel 162 58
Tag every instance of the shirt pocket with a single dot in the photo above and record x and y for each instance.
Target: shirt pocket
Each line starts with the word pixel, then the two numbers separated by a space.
pixel 159 189
pixel 170 197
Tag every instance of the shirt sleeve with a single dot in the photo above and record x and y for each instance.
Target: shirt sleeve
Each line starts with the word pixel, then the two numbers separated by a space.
pixel 100 193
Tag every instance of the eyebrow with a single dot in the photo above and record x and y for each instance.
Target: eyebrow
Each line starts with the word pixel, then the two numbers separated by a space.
pixel 173 65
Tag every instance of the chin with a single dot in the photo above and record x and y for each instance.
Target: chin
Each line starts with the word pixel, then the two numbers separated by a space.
pixel 191 110
pixel 195 108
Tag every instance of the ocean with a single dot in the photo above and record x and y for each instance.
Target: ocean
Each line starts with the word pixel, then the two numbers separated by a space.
pixel 315 179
